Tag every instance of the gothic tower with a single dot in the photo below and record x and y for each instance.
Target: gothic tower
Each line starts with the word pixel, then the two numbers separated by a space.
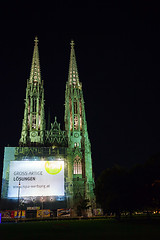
pixel 79 147
pixel 63 157
pixel 33 127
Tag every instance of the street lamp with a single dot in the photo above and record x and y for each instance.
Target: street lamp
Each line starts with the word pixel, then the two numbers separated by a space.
pixel 42 205
pixel 42 201
pixel 19 185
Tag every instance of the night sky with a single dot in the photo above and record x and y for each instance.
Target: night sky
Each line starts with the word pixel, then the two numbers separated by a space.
pixel 118 56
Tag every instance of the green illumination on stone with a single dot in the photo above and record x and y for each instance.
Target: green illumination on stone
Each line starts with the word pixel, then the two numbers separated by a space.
pixel 76 130
pixel 74 139
pixel 33 127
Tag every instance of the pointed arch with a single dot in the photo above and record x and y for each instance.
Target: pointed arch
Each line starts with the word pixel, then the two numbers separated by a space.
pixel 77 165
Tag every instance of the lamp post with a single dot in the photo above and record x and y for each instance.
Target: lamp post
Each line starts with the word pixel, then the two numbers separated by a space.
pixel 19 185
pixel 51 211
pixel 42 205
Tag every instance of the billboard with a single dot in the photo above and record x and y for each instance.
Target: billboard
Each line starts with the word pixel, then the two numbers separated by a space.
pixel 36 178
pixel 43 213
pixel 63 212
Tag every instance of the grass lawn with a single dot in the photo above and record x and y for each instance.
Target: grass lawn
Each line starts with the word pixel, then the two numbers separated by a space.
pixel 82 229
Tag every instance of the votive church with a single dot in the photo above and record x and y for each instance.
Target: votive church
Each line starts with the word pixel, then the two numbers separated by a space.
pixel 72 145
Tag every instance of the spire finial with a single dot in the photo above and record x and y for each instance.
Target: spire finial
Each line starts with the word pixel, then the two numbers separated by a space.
pixel 72 44
pixel 36 41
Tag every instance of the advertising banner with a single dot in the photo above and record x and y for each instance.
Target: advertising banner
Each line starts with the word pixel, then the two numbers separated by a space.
pixel 43 213
pixel 98 212
pixel 7 214
pixel 20 214
pixel 13 214
pixel 36 178
pixel 63 212
pixel 23 214
pixel 33 208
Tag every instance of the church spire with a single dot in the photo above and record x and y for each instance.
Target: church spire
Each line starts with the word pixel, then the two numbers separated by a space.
pixel 80 164
pixel 74 104
pixel 35 75
pixel 73 77
pixel 33 126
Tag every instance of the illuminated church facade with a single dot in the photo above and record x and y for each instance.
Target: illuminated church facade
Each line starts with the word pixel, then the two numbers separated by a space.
pixel 38 143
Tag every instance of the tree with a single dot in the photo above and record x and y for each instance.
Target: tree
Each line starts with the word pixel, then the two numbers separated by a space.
pixel 112 190
pixel 118 189
pixel 82 207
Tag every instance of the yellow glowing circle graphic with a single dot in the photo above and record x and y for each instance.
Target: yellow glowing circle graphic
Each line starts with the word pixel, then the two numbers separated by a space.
pixel 53 167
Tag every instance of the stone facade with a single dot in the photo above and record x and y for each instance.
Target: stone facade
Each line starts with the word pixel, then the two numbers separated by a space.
pixel 73 142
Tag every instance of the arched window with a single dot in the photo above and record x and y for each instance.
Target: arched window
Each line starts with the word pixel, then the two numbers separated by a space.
pixel 77 165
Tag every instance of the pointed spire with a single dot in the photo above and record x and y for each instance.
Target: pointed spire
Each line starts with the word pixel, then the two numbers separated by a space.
pixel 73 77
pixel 35 75
pixel 33 128
pixel 55 125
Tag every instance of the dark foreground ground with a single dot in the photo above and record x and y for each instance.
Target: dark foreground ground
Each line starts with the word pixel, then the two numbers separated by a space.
pixel 110 229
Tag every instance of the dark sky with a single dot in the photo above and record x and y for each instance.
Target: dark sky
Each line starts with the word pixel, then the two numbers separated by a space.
pixel 117 51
